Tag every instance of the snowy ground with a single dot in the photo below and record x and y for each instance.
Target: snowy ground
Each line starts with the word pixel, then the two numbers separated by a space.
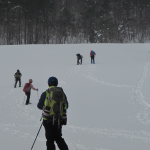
pixel 109 102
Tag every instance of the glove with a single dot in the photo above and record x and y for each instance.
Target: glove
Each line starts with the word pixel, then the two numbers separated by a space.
pixel 37 89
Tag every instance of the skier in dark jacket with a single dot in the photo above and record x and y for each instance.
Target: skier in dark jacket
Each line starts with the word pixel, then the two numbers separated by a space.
pixel 53 130
pixel 17 76
pixel 79 58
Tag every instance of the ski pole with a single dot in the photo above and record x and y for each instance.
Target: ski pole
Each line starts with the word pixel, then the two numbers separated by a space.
pixel 21 82
pixel 14 82
pixel 36 136
pixel 148 57
pixel 37 95
pixel 24 101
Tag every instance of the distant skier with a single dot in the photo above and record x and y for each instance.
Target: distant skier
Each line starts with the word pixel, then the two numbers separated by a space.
pixel 92 55
pixel 79 59
pixel 27 89
pixel 17 76
pixel 54 103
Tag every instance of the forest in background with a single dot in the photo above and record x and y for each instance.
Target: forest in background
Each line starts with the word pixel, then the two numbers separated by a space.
pixel 74 21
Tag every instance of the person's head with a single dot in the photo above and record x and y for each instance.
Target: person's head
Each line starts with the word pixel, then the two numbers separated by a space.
pixel 30 80
pixel 18 70
pixel 52 81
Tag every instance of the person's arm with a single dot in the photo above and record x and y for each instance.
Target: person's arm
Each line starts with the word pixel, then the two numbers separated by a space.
pixel 67 104
pixel 41 101
pixel 20 74
pixel 33 87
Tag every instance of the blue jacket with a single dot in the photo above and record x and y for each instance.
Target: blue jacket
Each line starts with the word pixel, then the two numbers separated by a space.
pixel 42 100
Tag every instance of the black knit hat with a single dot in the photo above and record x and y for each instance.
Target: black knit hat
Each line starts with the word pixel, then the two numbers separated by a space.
pixel 53 81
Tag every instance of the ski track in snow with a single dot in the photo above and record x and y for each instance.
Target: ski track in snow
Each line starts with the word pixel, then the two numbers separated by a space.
pixel 88 75
pixel 81 146
pixel 113 133
pixel 143 116
pixel 139 97
pixel 73 71
pixel 13 130
pixel 16 130
pixel 18 110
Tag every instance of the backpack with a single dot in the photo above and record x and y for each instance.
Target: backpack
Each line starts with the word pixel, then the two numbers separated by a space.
pixel 27 87
pixel 54 109
pixel 93 53
pixel 79 56
pixel 17 75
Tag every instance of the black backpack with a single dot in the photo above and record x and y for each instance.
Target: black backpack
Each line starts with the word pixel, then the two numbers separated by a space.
pixel 54 109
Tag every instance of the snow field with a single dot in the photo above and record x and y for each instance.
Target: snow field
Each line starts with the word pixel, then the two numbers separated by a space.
pixel 109 106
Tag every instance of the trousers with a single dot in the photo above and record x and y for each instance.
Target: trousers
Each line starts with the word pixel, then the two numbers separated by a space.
pixel 28 97
pixel 92 60
pixel 16 80
pixel 53 133
pixel 79 59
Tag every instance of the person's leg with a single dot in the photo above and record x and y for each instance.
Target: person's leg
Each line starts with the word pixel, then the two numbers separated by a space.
pixel 58 138
pixel 28 97
pixel 91 59
pixel 16 80
pixel 81 61
pixel 49 134
pixel 19 82
pixel 15 83
pixel 77 61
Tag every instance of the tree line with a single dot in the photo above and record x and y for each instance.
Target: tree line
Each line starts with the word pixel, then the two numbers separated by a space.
pixel 74 21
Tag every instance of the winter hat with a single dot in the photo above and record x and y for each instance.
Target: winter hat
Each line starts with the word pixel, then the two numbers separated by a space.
pixel 52 81
pixel 30 80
